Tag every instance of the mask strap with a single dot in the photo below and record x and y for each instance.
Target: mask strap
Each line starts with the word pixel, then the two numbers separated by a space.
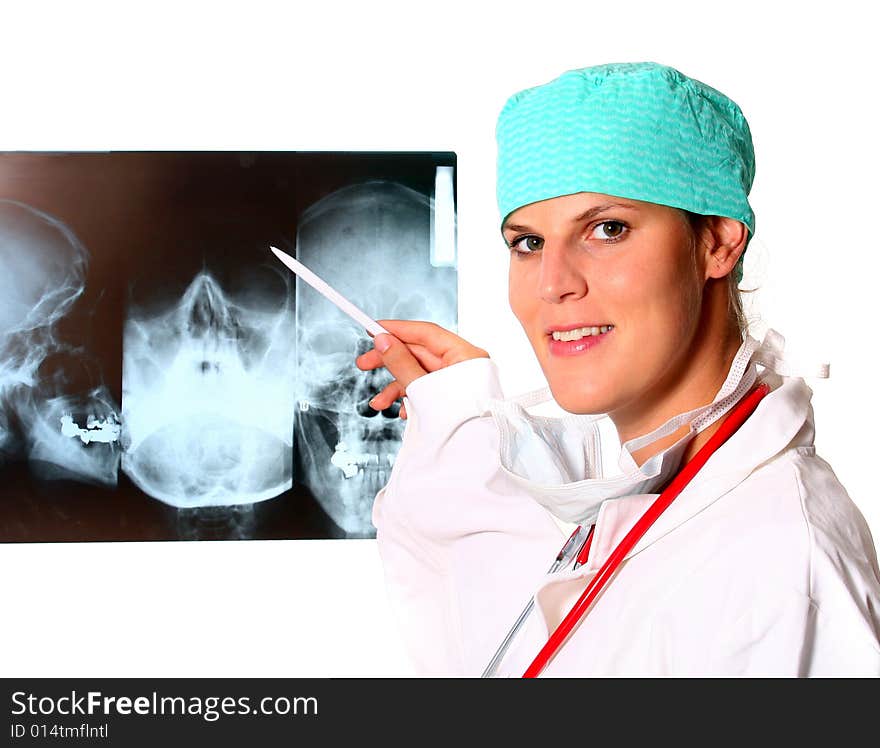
pixel 739 379
pixel 532 397
pixel 543 395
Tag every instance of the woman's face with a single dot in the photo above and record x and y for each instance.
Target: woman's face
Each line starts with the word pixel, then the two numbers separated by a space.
pixel 609 294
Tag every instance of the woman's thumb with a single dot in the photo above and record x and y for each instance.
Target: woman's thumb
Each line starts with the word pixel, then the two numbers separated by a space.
pixel 398 359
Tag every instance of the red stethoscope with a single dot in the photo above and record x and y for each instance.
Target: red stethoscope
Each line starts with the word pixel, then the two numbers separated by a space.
pixel 577 547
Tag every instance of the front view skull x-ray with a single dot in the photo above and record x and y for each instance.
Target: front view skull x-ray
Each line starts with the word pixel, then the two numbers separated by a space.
pixel 380 245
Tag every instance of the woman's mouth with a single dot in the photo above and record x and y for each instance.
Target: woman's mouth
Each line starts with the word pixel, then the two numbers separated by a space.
pixel 574 341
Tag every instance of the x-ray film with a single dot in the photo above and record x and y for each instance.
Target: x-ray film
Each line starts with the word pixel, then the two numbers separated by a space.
pixel 163 376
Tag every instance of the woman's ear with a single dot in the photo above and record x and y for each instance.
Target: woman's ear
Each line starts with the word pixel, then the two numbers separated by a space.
pixel 724 241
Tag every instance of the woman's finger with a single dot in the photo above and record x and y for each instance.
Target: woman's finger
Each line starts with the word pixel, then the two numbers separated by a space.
pixel 398 359
pixel 428 360
pixel 372 359
pixel 439 341
pixel 391 392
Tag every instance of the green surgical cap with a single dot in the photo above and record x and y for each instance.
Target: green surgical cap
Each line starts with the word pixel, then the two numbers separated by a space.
pixel 636 130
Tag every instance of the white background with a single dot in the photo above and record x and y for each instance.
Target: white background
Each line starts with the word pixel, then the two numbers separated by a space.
pixel 423 76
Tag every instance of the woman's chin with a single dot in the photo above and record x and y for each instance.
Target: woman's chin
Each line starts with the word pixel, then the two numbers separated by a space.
pixel 577 388
pixel 580 402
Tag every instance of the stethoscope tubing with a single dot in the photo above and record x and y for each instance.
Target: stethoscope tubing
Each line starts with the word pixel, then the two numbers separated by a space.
pixel 572 549
pixel 565 628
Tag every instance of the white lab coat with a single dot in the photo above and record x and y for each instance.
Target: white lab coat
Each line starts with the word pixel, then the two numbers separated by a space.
pixel 762 566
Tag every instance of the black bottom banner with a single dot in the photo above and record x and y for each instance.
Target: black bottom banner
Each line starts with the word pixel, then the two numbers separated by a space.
pixel 169 712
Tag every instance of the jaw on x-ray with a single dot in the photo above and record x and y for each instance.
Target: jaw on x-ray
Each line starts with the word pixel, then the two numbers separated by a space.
pixel 229 397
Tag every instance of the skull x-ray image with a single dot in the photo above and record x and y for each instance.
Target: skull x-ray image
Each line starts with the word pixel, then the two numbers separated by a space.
pixel 373 242
pixel 162 376
pixel 207 398
pixel 60 431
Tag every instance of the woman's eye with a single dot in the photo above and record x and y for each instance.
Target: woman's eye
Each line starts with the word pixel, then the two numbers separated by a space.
pixel 527 244
pixel 609 230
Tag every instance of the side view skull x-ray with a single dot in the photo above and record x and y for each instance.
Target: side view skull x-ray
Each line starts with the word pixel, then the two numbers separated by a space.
pixel 238 406
pixel 61 433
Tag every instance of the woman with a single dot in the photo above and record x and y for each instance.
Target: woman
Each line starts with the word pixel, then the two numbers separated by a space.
pixel 624 195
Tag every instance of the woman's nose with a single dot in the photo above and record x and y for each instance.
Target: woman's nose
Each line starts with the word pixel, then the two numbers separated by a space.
pixel 560 278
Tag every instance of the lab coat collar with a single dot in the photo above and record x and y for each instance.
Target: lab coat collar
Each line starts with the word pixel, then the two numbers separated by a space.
pixel 782 420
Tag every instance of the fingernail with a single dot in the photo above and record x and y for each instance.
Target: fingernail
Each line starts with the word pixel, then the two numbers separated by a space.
pixel 371 404
pixel 382 342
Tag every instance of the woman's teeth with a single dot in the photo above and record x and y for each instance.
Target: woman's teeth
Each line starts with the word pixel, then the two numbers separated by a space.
pixel 581 332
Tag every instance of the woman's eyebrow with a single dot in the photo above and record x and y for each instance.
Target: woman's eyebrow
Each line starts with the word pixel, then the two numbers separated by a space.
pixel 591 213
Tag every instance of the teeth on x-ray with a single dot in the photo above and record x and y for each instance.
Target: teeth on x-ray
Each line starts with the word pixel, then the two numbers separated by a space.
pixel 91 454
pixel 350 463
pixel 207 401
pixel 104 430
pixel 373 243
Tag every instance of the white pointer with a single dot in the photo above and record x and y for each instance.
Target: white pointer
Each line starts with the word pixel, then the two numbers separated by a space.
pixel 326 290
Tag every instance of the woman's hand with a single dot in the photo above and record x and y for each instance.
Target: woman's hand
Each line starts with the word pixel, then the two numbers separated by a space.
pixel 411 351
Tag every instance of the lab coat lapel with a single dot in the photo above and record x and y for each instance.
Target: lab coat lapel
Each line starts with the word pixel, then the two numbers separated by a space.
pixel 783 419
